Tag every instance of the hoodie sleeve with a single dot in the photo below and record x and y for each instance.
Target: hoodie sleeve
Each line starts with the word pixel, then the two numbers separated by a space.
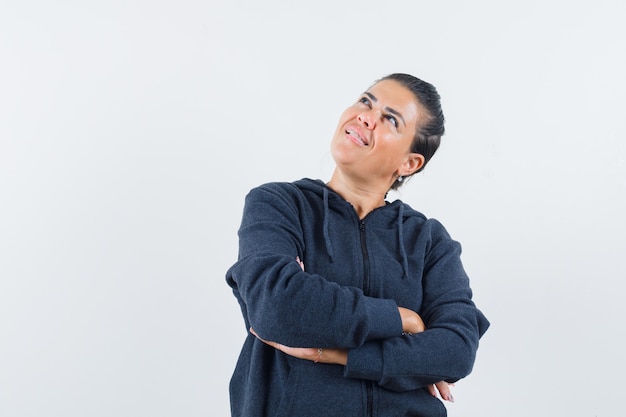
pixel 281 301
pixel 447 349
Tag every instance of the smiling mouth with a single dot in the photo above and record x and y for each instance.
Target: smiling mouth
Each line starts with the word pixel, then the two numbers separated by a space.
pixel 356 137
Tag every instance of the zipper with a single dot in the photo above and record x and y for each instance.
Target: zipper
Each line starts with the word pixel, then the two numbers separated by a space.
pixel 366 262
pixel 366 289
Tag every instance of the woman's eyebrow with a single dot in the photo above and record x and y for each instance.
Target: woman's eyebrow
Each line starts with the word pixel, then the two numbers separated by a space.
pixel 389 109
pixel 371 96
pixel 392 111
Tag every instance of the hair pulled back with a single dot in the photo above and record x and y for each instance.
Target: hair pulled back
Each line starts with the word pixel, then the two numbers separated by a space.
pixel 427 136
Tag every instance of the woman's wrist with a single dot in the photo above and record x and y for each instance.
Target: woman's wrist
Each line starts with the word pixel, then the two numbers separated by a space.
pixel 332 356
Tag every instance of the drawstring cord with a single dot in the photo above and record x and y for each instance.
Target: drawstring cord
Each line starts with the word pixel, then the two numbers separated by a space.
pixel 405 261
pixel 329 246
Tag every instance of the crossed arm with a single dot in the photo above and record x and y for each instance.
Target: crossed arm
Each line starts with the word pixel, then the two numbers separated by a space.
pixel 411 324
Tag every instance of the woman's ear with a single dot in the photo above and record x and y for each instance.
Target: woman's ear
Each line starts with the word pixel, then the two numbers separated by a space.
pixel 413 162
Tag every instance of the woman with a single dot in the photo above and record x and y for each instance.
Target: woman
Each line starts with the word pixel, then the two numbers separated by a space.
pixel 355 306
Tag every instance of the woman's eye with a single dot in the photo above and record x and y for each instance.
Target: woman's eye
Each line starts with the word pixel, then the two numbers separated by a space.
pixel 393 120
pixel 365 101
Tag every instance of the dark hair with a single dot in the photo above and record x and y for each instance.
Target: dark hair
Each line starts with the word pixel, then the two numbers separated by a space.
pixel 428 135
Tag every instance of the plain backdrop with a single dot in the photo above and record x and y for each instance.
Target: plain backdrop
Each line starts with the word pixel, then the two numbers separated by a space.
pixel 130 132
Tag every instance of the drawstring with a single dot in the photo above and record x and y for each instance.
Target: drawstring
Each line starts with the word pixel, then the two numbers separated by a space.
pixel 405 261
pixel 329 246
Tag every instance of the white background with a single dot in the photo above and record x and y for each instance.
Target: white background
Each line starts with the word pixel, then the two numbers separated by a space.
pixel 130 131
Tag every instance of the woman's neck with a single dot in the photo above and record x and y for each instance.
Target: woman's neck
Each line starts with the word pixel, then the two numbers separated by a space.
pixel 364 197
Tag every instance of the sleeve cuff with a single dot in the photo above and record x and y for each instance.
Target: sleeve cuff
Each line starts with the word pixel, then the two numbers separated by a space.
pixel 365 362
pixel 383 318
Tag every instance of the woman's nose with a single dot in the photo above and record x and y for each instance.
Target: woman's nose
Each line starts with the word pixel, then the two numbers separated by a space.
pixel 367 119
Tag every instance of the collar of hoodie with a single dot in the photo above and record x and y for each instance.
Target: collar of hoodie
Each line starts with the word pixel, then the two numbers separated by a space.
pixel 328 242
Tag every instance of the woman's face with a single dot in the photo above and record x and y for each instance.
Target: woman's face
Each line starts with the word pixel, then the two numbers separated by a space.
pixel 374 135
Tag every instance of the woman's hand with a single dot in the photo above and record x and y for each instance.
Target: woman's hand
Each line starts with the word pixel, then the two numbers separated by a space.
pixel 444 390
pixel 411 321
pixel 333 356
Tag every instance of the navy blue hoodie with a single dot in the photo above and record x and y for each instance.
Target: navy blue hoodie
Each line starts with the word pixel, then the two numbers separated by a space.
pixel 356 274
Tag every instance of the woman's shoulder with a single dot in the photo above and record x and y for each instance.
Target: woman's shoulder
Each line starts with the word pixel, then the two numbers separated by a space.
pixel 286 190
pixel 288 186
pixel 431 225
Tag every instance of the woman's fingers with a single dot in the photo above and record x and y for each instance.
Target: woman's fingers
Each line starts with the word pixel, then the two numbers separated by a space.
pixel 444 390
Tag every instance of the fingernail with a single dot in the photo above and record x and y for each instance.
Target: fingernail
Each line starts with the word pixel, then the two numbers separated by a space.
pixel 450 398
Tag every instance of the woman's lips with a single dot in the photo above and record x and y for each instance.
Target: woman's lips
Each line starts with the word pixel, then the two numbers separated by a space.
pixel 356 137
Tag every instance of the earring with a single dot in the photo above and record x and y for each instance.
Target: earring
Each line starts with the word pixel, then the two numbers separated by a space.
pixel 400 178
